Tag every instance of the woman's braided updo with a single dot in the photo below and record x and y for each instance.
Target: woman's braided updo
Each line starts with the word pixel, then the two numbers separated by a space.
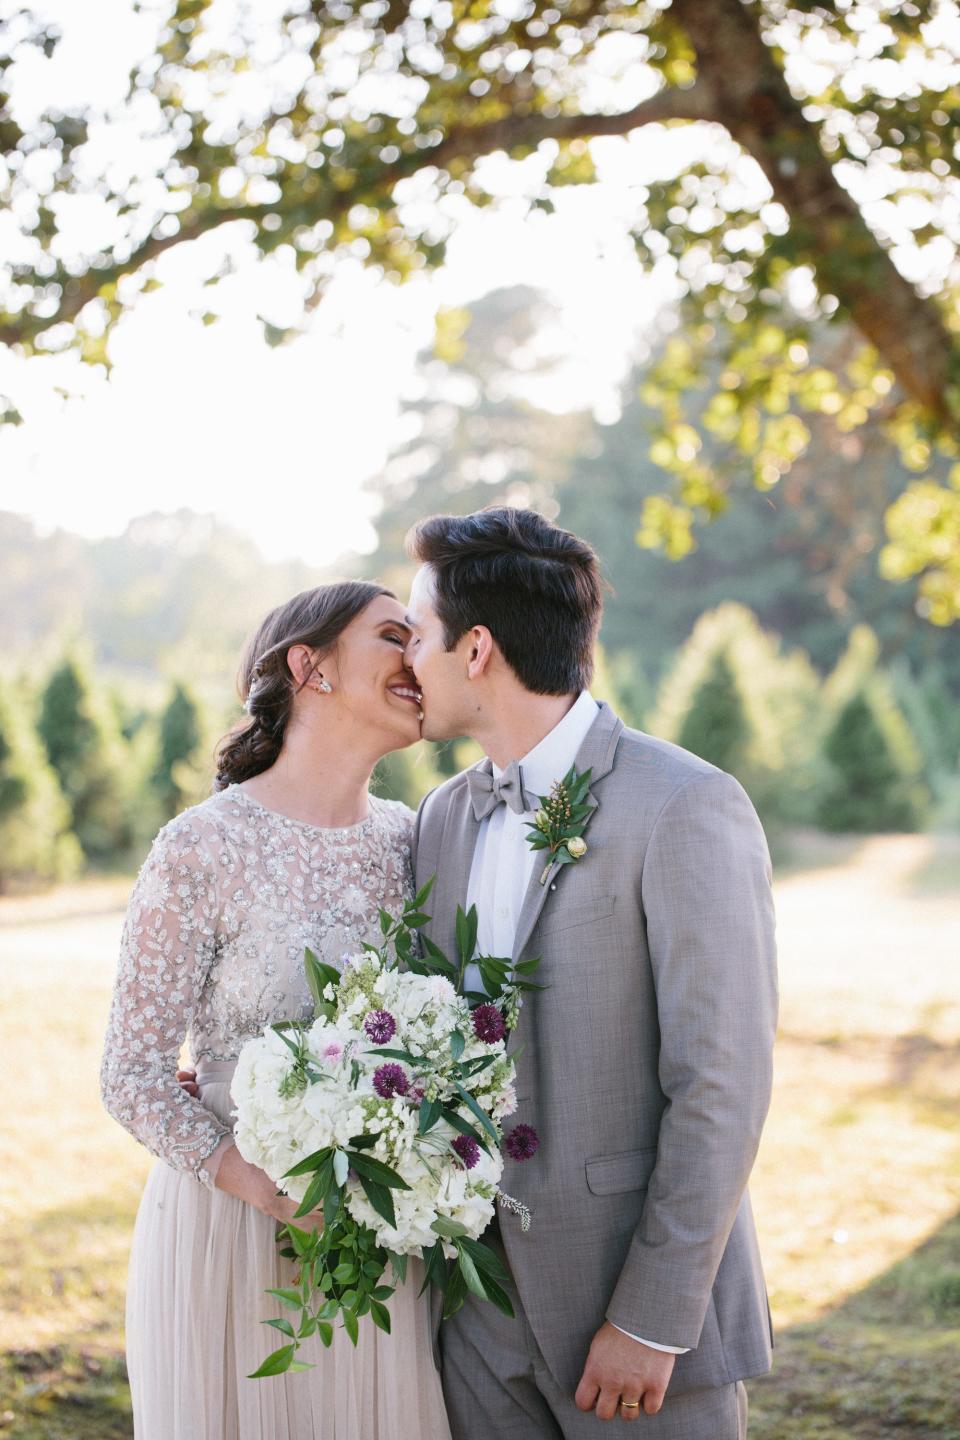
pixel 316 618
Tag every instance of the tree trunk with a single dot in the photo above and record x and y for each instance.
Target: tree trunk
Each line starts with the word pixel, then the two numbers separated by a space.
pixel 750 97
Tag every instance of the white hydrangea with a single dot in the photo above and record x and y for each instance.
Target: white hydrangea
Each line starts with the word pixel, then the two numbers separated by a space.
pixel 286 1110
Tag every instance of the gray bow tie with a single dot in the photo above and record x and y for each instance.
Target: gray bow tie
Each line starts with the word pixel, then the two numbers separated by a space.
pixel 487 792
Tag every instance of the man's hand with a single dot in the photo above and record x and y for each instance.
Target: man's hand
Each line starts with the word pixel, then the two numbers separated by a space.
pixel 188 1082
pixel 619 1368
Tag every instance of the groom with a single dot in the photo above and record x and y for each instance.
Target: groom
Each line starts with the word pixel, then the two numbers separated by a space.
pixel 644 1066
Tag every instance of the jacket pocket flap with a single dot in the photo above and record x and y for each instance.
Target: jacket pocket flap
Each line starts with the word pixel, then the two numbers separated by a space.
pixel 616 1174
pixel 595 908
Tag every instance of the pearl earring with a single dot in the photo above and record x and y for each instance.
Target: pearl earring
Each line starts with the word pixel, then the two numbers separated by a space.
pixel 324 688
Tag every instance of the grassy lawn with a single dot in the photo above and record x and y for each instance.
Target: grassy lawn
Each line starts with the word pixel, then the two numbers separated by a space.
pixel 856 1191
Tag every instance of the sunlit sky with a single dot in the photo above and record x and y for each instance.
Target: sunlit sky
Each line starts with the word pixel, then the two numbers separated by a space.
pixel 279 442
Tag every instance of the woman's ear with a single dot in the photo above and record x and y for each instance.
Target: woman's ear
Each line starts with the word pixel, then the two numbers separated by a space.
pixel 300 663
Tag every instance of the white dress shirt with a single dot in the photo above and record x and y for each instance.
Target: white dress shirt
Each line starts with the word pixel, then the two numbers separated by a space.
pixel 503 862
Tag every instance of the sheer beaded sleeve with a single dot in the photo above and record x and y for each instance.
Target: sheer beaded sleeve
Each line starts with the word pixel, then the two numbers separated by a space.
pixel 169 945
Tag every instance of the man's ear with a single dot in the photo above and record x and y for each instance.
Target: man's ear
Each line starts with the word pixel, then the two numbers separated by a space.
pixel 480 646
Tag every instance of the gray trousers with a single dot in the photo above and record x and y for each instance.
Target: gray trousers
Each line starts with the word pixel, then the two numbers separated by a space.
pixel 496 1384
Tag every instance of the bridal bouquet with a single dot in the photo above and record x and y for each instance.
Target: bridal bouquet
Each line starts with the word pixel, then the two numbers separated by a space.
pixel 386 1111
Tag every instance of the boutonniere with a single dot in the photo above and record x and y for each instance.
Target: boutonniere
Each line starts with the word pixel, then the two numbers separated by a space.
pixel 559 824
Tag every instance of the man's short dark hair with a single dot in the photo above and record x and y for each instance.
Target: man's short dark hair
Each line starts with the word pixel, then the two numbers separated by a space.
pixel 536 588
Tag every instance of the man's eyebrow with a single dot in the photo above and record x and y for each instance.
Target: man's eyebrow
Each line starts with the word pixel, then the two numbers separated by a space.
pixel 409 621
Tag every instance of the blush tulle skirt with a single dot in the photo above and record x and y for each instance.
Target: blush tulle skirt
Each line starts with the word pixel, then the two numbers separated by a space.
pixel 199 1267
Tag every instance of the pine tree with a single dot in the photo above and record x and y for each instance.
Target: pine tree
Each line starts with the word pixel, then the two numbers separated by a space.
pixel 735 699
pixel 179 740
pixel 86 750
pixel 35 838
pixel 873 774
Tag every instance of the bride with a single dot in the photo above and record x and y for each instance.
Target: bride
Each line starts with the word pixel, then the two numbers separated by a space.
pixel 291 850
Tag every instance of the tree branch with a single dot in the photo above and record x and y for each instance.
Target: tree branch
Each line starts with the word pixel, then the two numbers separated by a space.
pixel 752 100
pixel 462 142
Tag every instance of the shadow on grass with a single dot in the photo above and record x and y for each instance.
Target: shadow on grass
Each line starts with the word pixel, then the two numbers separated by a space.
pixel 75 1388
pixel 884 1364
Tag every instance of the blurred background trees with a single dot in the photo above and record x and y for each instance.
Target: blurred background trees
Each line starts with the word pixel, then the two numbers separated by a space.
pixel 802 218
pixel 792 184
pixel 774 649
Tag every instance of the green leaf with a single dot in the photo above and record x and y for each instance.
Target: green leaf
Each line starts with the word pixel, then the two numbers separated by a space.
pixel 380 1315
pixel 276 1363
pixel 457 1044
pixel 421 896
pixel 288 1297
pixel 466 933
pixel 350 1325
pixel 380 1198
pixel 345 1272
pixel 497 1296
pixel 456 1292
pixel 303 1240
pixel 396 1054
pixel 362 1142
pixel 527 967
pixel 399 1263
pixel 429 1115
pixel 459 1123
pixel 283 1326
pixel 319 974
pixel 312 1162
pixel 325 1332
pixel 485 1259
pixel 471 1275
pixel 376 1170
pixel 443 1225
pixel 316 1190
pixel 477 1110
pixel 435 1263
pixel 341 1166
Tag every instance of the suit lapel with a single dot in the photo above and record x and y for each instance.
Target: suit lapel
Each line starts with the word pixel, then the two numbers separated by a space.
pixel 596 754
pixel 457 844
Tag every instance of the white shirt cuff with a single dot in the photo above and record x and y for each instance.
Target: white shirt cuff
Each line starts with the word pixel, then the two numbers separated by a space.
pixel 651 1344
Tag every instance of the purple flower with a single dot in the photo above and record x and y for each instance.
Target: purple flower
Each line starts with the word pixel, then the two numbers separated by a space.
pixel 390 1080
pixel 522 1142
pixel 488 1024
pixel 380 1026
pixel 468 1150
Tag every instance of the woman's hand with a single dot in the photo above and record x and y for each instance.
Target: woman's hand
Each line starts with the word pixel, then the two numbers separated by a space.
pixel 249 1183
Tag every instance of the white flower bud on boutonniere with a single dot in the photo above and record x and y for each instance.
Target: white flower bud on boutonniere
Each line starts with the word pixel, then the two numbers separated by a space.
pixel 557 824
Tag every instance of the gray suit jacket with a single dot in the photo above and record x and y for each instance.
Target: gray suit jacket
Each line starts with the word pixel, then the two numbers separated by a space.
pixel 646 1064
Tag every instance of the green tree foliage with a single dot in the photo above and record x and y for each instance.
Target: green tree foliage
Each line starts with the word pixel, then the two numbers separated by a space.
pixel 407 775
pixel 85 749
pixel 821 158
pixel 873 779
pixel 183 769
pixel 35 838
pixel 733 697
pixel 803 559
pixel 716 726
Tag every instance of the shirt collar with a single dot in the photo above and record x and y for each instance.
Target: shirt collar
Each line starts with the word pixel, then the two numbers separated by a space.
pixel 553 756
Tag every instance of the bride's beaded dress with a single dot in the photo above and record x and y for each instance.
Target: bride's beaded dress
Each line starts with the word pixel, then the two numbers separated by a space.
pixel 228 898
